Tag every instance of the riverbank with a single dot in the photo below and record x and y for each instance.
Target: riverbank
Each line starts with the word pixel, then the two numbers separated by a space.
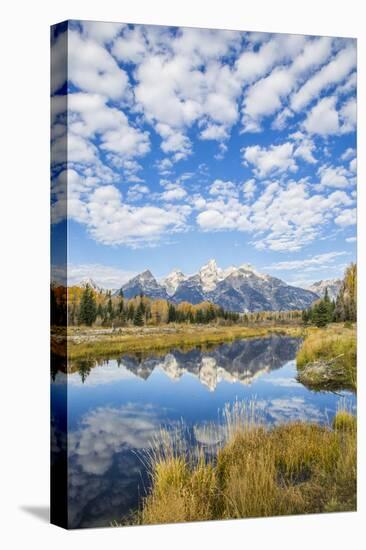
pixel 294 468
pixel 83 342
pixel 327 359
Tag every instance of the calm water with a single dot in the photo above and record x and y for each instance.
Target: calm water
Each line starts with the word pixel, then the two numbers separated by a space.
pixel 114 410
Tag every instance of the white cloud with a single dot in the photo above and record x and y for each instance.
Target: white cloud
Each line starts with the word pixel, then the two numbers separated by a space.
pixel 223 189
pixel 131 47
pixel 89 116
pixel 332 73
pixel 331 176
pixel 173 92
pixel 137 192
pixel 106 431
pixel 348 154
pixel 316 262
pixel 305 150
pixel 109 220
pixel 323 119
pixel 215 132
pixel 353 166
pixel 92 68
pixel 347 217
pixel 289 218
pixel 224 214
pixel 351 239
pixel 249 188
pixel 100 31
pixel 282 218
pixel 173 192
pixel 251 65
pixel 274 159
pixel 266 96
pixel 348 113
pixel 103 275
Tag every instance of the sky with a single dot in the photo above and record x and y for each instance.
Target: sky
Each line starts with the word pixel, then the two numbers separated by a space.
pixel 189 144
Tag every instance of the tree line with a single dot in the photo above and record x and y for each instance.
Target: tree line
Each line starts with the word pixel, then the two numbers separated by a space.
pixel 105 309
pixel 343 309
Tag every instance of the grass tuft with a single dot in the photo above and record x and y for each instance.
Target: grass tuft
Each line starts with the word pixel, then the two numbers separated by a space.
pixel 327 359
pixel 296 468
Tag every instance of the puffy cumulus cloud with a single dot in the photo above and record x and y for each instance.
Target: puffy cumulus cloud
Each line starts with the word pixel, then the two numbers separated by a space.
pixel 164 166
pixel 348 113
pixel 282 218
pixel 214 132
pixel 223 189
pixel 353 166
pixel 93 69
pixel 111 221
pixel 323 119
pixel 90 116
pixel 221 215
pixel 137 192
pixel 337 176
pixel 290 217
pixel 249 188
pixel 348 154
pixel 174 92
pixel 332 73
pixel 131 47
pixel 173 192
pixel 101 32
pixel 304 147
pixel 174 142
pixel 251 65
pixel 266 96
pixel 274 159
pixel 314 263
pixel 347 217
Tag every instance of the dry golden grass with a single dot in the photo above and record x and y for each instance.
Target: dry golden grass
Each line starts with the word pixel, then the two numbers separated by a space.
pixel 91 343
pixel 327 358
pixel 295 468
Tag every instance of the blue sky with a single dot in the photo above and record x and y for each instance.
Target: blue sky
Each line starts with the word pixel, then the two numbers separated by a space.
pixel 190 144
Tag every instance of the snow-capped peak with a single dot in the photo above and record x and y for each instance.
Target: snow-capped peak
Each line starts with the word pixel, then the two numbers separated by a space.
pixel 172 281
pixel 87 281
pixel 145 276
pixel 210 274
pixel 250 269
pixel 333 287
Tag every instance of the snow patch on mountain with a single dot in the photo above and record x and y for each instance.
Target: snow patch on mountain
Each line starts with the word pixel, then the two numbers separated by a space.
pixel 332 285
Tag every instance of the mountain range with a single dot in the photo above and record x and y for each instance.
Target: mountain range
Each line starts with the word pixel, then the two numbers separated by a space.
pixel 239 289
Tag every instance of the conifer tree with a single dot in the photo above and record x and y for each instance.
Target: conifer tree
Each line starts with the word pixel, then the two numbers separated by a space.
pixel 139 316
pixel 88 307
pixel 172 314
pixel 322 314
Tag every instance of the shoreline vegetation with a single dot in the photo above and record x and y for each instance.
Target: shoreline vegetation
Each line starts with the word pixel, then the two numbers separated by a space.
pixel 102 326
pixel 259 471
pixel 327 359
pixel 84 342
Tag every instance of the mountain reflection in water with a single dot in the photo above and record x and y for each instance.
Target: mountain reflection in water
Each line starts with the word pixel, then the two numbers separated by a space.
pixel 238 361
pixel 116 407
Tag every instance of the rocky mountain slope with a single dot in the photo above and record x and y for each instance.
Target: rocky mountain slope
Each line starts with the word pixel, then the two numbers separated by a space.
pixel 237 289
pixel 333 286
